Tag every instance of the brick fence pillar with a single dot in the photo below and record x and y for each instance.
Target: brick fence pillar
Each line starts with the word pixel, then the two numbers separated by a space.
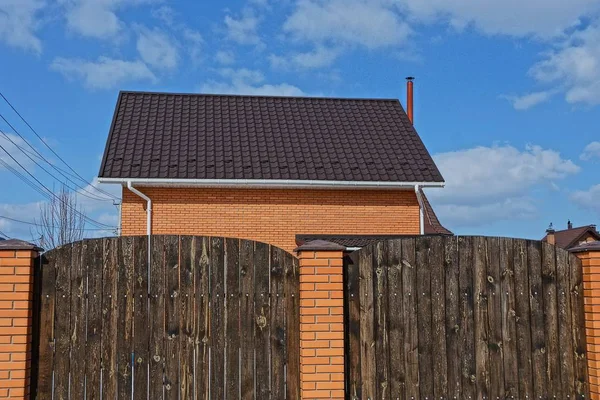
pixel 17 260
pixel 590 258
pixel 321 320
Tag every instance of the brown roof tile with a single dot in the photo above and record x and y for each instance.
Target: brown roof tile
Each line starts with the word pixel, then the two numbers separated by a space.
pixel 568 238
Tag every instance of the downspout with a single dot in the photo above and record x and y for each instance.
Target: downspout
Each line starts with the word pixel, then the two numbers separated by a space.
pixel 421 209
pixel 148 208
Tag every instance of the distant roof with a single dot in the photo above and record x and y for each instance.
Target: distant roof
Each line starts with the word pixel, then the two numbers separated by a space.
pixel 568 238
pixel 14 244
pixel 196 136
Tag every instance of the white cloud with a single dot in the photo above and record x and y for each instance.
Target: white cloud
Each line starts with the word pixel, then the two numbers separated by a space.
pixel 157 49
pixel 193 43
pixel 225 57
pixel 12 145
pixel 495 183
pixel 592 150
pixel 19 22
pixel 540 18
pixel 243 30
pixel 18 230
pixel 105 73
pixel 248 82
pixel 588 199
pixel 372 24
pixel 318 58
pixel 529 100
pixel 574 66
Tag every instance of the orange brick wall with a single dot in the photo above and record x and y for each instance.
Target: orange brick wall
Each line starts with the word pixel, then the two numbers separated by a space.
pixel 16 286
pixel 273 216
pixel 321 325
pixel 591 280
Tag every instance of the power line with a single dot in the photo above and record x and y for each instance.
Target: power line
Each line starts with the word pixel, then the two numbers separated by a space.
pixel 49 194
pixel 40 225
pixel 4 234
pixel 76 174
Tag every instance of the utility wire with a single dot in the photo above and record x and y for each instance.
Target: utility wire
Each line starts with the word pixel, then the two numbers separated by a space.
pixel 76 174
pixel 4 234
pixel 49 194
pixel 51 227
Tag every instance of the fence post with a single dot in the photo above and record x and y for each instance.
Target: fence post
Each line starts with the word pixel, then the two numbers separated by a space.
pixel 17 260
pixel 321 320
pixel 589 254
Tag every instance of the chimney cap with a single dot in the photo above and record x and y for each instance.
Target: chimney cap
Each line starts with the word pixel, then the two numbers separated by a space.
pixel 550 228
pixel 410 78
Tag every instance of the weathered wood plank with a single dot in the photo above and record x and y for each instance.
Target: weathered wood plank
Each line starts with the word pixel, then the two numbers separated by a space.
pixel 494 312
pixel 565 332
pixel 93 261
pixel 438 317
pixel 551 320
pixel 277 323
pixel 247 319
pixel 187 318
pixel 125 265
pixel 62 322
pixel 522 319
pixel 109 318
pixel 396 320
pixel 201 249
pixel 466 309
pixel 262 320
pixel 46 325
pixel 409 305
pixel 217 325
pixel 156 312
pixel 509 330
pixel 424 317
pixel 382 367
pixel 353 327
pixel 481 326
pixel 453 349
pixel 78 311
pixel 536 309
pixel 172 314
pixel 232 318
pixel 292 327
pixel 367 312
pixel 141 320
pixel 578 326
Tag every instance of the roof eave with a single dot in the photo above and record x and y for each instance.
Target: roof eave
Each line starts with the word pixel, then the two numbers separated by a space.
pixel 268 183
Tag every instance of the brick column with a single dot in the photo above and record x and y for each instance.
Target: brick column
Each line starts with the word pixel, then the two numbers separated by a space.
pixel 17 260
pixel 590 258
pixel 321 320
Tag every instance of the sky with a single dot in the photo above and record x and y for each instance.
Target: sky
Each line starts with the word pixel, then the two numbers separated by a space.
pixel 507 94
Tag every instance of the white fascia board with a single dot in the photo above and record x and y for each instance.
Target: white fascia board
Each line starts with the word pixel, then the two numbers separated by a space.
pixel 269 183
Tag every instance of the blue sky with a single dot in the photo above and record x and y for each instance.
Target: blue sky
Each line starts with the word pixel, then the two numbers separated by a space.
pixel 507 93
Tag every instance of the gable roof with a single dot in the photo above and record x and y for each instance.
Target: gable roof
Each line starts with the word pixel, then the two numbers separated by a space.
pixel 432 225
pixel 222 137
pixel 568 238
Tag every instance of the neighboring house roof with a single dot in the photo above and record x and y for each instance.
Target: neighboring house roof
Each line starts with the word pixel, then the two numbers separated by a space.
pixel 570 237
pixel 431 221
pixel 14 244
pixel 223 137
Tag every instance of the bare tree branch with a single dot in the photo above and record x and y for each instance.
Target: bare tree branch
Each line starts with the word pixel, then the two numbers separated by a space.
pixel 61 220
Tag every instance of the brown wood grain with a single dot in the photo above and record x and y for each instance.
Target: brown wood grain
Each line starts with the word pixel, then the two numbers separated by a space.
pixel 140 320
pixel 367 314
pixel 424 317
pixel 580 371
pixel 187 318
pixel 396 320
pixel 109 318
pixel 201 249
pixel 380 328
pixel 480 295
pixel 292 326
pixel 509 330
pixel 156 312
pixel 277 323
pixel 550 302
pixel 352 309
pixel 125 265
pixel 494 313
pixel 262 320
pixel 46 325
pixel 438 317
pixel 247 319
pixel 409 305
pixel 453 349
pixel 466 309
pixel 232 318
pixel 172 314
pixel 217 318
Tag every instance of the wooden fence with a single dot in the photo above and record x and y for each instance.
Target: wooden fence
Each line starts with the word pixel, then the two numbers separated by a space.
pixel 464 318
pixel 208 318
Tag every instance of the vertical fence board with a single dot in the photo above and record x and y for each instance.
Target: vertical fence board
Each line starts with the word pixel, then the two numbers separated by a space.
pixel 396 320
pixel 156 312
pixel 565 333
pixel 409 305
pixel 62 322
pixel 140 320
pixel 367 340
pixel 292 327
pixel 247 318
pixel 93 263
pixel 438 320
pixel 232 313
pixel 509 330
pixel 578 326
pixel 453 349
pixel 277 324
pixel 172 314
pixel 217 323
pixel 494 312
pixel 109 319
pixel 551 319
pixel 466 307
pixel 262 320
pixel 536 307
pixel 352 334
pixel 46 334
pixel 523 324
pixel 201 258
pixel 424 319
pixel 125 264
pixel 380 267
pixel 187 318
pixel 78 312
pixel 480 294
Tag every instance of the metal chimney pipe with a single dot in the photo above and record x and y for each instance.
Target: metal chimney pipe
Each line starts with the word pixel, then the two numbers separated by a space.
pixel 409 98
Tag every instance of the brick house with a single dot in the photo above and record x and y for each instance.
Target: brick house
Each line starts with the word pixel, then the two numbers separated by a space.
pixel 269 168
pixel 572 237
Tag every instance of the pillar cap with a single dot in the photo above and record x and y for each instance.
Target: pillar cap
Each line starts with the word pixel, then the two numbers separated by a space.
pixel 320 245
pixel 591 246
pixel 15 244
